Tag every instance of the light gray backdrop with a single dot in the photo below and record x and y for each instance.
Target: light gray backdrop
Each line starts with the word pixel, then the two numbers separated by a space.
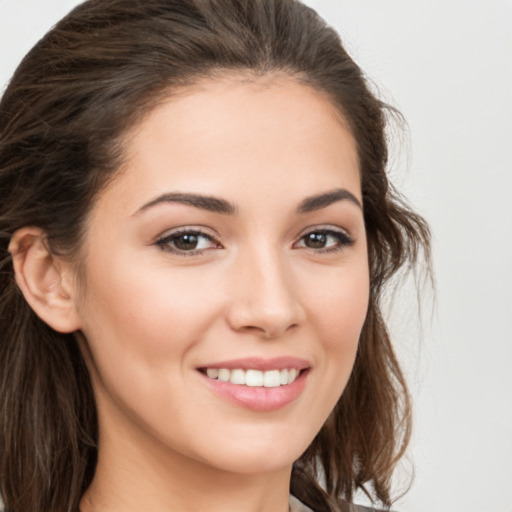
pixel 447 65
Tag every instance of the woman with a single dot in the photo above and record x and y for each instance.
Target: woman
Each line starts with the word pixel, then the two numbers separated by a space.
pixel 196 229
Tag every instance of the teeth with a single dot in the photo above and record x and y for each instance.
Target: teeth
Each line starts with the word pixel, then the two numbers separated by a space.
pixel 237 377
pixel 224 375
pixel 272 379
pixel 254 378
pixel 213 373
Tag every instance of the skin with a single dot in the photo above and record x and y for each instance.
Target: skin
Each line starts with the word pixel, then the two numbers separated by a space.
pixel 150 316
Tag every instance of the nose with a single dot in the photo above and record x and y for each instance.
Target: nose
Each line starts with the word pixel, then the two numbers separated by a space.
pixel 263 297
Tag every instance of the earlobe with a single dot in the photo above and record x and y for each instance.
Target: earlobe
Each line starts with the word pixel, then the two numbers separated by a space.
pixel 45 279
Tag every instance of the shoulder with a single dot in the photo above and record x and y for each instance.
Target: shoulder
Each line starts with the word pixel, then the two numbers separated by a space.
pixel 361 508
pixel 298 506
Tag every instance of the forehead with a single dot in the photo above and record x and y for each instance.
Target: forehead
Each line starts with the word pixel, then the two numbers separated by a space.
pixel 222 135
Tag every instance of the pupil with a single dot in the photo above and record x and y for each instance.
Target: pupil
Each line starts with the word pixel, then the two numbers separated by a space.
pixel 316 240
pixel 186 242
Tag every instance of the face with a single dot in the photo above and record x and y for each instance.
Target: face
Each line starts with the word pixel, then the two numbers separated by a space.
pixel 226 277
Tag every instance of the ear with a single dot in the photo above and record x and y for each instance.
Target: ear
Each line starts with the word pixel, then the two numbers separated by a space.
pixel 45 279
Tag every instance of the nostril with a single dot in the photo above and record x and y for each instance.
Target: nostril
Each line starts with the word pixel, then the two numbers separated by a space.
pixel 264 314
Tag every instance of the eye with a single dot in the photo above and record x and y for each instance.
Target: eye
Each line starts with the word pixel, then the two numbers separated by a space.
pixel 187 242
pixel 325 240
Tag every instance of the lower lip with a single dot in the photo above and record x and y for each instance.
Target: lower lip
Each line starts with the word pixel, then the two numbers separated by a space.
pixel 258 398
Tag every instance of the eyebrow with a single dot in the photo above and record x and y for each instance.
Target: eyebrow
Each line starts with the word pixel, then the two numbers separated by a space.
pixel 323 200
pixel 218 205
pixel 209 203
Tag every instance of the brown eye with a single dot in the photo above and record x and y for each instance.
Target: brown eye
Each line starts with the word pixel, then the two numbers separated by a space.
pixel 187 242
pixel 315 240
pixel 325 240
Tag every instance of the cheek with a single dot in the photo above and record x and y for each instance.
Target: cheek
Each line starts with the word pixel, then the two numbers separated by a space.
pixel 142 330
pixel 341 333
pixel 146 306
pixel 338 314
pixel 339 303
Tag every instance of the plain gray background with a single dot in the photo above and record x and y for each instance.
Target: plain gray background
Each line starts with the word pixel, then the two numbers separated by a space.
pixel 447 65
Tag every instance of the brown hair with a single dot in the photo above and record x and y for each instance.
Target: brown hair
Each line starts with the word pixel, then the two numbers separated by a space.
pixel 63 118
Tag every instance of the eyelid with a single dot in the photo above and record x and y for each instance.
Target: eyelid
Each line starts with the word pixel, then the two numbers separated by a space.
pixel 346 239
pixel 325 228
pixel 163 240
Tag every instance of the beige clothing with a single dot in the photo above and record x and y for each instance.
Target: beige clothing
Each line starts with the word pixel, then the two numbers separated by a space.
pixel 298 506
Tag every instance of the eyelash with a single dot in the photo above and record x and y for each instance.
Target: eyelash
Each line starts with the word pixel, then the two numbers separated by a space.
pixel 165 242
pixel 343 240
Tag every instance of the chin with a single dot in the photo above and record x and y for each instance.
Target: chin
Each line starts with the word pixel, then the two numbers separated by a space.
pixel 257 463
pixel 257 455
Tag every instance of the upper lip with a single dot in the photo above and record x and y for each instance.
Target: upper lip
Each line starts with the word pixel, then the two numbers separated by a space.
pixel 260 363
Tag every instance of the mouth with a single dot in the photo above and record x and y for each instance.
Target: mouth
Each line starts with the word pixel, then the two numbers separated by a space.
pixel 257 384
pixel 254 378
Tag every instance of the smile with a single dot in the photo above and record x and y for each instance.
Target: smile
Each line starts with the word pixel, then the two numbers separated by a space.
pixel 259 384
pixel 254 378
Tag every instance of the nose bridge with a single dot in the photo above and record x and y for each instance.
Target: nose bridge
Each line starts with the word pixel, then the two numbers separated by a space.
pixel 266 300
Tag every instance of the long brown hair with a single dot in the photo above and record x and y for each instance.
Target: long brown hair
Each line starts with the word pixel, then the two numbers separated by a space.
pixel 62 121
